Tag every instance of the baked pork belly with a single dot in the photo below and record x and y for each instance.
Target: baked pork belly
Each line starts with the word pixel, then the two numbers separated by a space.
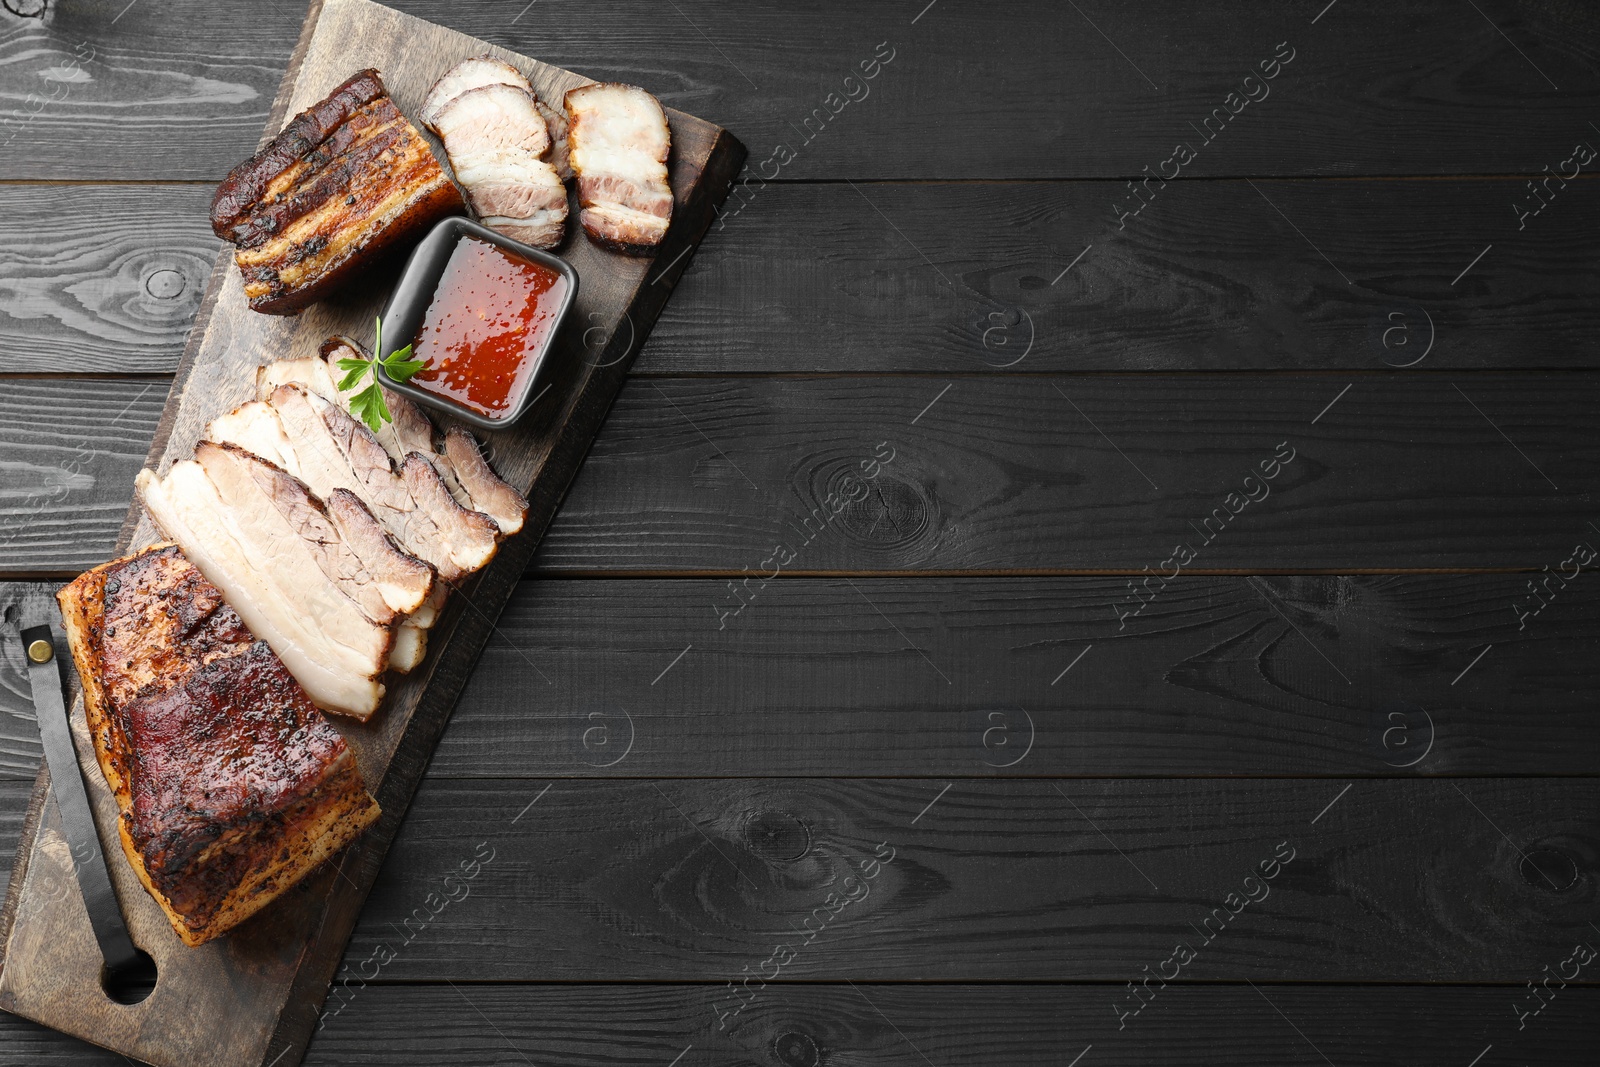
pixel 499 145
pixel 347 179
pixel 231 786
pixel 619 146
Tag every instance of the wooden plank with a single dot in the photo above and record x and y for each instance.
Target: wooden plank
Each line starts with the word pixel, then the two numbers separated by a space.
pixel 71 449
pixel 1032 879
pixel 1025 90
pixel 1011 473
pixel 1209 277
pixel 896 1026
pixel 252 997
pixel 812 680
pixel 102 279
pixel 819 677
pixel 1084 473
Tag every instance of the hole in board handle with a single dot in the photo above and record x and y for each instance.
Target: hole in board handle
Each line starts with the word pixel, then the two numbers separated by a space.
pixel 132 983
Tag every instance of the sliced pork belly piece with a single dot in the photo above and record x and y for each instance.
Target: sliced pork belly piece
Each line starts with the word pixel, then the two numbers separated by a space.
pixel 495 498
pixel 336 452
pixel 332 650
pixel 405 582
pixel 461 466
pixel 410 645
pixel 498 143
pixel 555 120
pixel 396 584
pixel 619 146
pixel 468 74
pixel 255 428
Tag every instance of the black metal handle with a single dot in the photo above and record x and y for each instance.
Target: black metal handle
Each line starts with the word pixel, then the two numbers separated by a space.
pixel 72 799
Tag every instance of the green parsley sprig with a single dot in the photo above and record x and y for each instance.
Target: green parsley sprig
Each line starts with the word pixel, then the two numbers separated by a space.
pixel 368 405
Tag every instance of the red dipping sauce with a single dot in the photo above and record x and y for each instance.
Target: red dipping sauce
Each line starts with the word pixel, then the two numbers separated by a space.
pixel 483 334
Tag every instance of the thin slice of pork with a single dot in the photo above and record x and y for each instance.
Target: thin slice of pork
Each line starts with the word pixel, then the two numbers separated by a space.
pixel 499 144
pixel 468 74
pixel 336 452
pixel 410 646
pixel 490 495
pixel 383 581
pixel 555 120
pixel 333 651
pixel 469 478
pixel 406 582
pixel 619 147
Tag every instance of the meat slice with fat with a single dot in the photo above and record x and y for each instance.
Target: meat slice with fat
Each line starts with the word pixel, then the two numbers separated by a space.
pixel 470 479
pixel 499 144
pixel 489 494
pixel 555 120
pixel 336 452
pixel 330 647
pixel 619 147
pixel 342 538
pixel 468 74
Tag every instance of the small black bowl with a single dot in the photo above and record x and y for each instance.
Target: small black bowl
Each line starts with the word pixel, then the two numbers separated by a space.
pixel 414 292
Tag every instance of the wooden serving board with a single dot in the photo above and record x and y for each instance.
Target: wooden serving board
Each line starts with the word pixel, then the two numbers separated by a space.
pixel 252 997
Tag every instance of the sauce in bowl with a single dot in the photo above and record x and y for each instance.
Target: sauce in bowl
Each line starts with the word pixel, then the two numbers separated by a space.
pixel 487 327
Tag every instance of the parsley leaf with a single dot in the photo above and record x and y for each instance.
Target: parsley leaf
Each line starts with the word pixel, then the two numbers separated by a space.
pixel 368 405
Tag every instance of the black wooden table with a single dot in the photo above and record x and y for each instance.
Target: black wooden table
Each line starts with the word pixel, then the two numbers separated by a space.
pixel 1087 570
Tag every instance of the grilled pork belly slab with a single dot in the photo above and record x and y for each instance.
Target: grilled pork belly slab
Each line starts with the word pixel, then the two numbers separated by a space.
pixel 347 179
pixel 230 784
pixel 619 146
pixel 499 145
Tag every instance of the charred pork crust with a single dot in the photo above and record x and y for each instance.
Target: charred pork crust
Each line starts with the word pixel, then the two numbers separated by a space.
pixel 346 180
pixel 231 785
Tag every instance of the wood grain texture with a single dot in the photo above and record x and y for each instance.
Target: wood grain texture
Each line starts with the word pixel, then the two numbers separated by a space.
pixel 998 880
pixel 979 277
pixel 812 680
pixel 101 279
pixel 1008 676
pixel 1208 277
pixel 895 1026
pixel 1013 473
pixel 1027 90
pixel 251 998
pixel 69 450
pixel 1090 473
